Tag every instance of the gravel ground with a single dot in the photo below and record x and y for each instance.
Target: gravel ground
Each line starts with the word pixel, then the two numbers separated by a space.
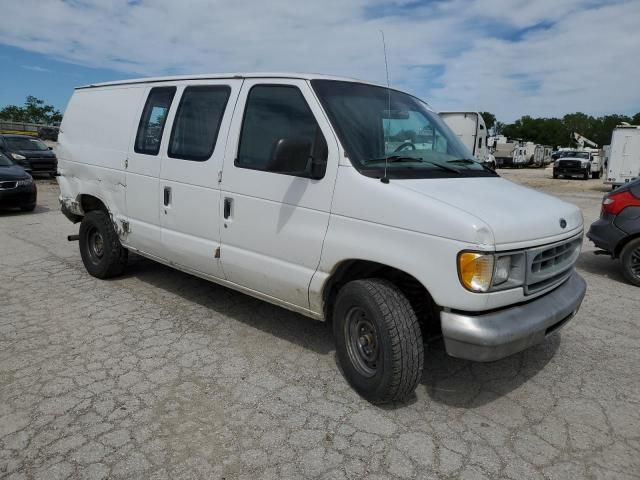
pixel 158 374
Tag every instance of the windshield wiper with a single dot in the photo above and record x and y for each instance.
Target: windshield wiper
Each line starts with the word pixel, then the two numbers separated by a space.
pixel 468 161
pixel 400 158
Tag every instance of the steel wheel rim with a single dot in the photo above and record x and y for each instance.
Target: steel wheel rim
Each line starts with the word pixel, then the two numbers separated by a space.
pixel 363 344
pixel 634 264
pixel 96 245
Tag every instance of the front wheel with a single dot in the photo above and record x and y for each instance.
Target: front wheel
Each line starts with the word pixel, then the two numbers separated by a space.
pixel 586 174
pixel 630 258
pixel 555 174
pixel 102 254
pixel 378 340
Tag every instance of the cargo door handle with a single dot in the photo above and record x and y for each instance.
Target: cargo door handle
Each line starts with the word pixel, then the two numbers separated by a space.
pixel 227 207
pixel 167 196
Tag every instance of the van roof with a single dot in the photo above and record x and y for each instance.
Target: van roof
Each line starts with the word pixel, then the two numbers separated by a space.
pixel 177 78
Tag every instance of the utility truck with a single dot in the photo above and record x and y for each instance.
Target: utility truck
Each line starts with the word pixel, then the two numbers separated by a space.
pixel 624 157
pixel 292 188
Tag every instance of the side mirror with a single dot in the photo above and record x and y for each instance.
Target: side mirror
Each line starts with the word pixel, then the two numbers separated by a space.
pixel 50 148
pixel 292 156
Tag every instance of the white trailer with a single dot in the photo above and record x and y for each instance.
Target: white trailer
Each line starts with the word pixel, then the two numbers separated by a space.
pixel 471 129
pixel 624 160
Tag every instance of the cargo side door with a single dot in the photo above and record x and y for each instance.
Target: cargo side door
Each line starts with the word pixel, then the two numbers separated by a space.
pixel 143 170
pixel 191 165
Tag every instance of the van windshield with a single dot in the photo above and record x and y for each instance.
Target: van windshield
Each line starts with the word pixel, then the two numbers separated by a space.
pixel 378 126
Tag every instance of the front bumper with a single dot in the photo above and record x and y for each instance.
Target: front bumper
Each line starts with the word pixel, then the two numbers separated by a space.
pixel 491 336
pixel 571 171
pixel 22 196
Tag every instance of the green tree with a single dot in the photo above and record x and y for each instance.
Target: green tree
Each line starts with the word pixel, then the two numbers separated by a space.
pixel 489 119
pixel 34 110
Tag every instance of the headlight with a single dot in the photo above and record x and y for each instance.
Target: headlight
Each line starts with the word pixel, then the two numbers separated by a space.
pixel 24 182
pixel 17 156
pixel 556 163
pixel 483 272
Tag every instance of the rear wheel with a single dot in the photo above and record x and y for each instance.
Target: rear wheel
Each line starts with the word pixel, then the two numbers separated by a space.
pixel 595 175
pixel 378 340
pixel 630 258
pixel 102 254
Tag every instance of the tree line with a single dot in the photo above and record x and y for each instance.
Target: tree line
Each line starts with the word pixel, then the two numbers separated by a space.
pixel 34 110
pixel 559 131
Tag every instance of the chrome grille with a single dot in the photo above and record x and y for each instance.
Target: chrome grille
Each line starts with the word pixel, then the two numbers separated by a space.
pixel 570 164
pixel 551 264
pixel 7 185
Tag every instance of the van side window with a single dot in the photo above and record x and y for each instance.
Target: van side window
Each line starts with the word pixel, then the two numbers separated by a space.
pixel 153 119
pixel 273 113
pixel 197 122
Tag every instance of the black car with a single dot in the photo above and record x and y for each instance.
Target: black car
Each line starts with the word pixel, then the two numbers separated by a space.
pixel 31 153
pixel 48 133
pixel 617 231
pixel 17 188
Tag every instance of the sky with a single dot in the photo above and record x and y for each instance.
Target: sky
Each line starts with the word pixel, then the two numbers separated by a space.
pixel 512 58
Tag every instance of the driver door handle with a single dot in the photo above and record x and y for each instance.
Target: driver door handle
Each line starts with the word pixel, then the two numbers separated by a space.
pixel 227 207
pixel 167 196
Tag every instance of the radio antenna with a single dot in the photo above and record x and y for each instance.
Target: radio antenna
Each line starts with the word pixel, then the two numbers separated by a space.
pixel 385 178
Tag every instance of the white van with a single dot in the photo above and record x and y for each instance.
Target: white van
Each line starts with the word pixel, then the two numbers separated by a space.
pixel 338 199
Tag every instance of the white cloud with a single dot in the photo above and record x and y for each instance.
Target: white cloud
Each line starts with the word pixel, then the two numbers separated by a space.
pixel 35 68
pixel 455 54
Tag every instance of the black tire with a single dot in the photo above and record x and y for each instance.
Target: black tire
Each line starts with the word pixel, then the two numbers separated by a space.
pixel 385 362
pixel 555 175
pixel 595 175
pixel 102 254
pixel 586 174
pixel 630 258
pixel 28 208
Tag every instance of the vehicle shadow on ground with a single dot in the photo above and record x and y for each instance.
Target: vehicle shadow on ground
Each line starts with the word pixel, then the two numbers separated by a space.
pixel 15 212
pixel 462 383
pixel 447 380
pixel 602 265
pixel 226 302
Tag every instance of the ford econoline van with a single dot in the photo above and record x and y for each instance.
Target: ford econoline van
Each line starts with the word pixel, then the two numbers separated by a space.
pixel 342 200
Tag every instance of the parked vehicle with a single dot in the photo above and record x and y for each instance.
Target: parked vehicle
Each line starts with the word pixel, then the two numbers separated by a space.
pixel 573 163
pixel 624 159
pixel 31 153
pixel 541 156
pixel 342 200
pixel 48 133
pixel 617 231
pixel 472 132
pixel 17 188
pixel 521 156
pixel 503 152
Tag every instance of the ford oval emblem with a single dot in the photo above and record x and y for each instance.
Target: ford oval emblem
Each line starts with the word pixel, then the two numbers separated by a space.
pixel 563 223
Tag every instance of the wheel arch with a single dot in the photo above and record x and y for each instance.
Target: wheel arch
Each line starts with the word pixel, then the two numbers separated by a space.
pixel 421 300
pixel 623 243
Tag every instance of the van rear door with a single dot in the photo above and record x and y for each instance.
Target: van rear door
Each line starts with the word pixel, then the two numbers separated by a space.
pixel 189 192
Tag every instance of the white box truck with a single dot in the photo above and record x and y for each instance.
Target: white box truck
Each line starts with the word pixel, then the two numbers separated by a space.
pixel 286 187
pixel 624 158
pixel 472 131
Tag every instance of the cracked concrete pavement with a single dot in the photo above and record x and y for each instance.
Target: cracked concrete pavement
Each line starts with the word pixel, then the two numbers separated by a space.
pixel 158 374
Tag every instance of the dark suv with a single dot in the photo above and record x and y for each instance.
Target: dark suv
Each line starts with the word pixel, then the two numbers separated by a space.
pixel 30 153
pixel 617 231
